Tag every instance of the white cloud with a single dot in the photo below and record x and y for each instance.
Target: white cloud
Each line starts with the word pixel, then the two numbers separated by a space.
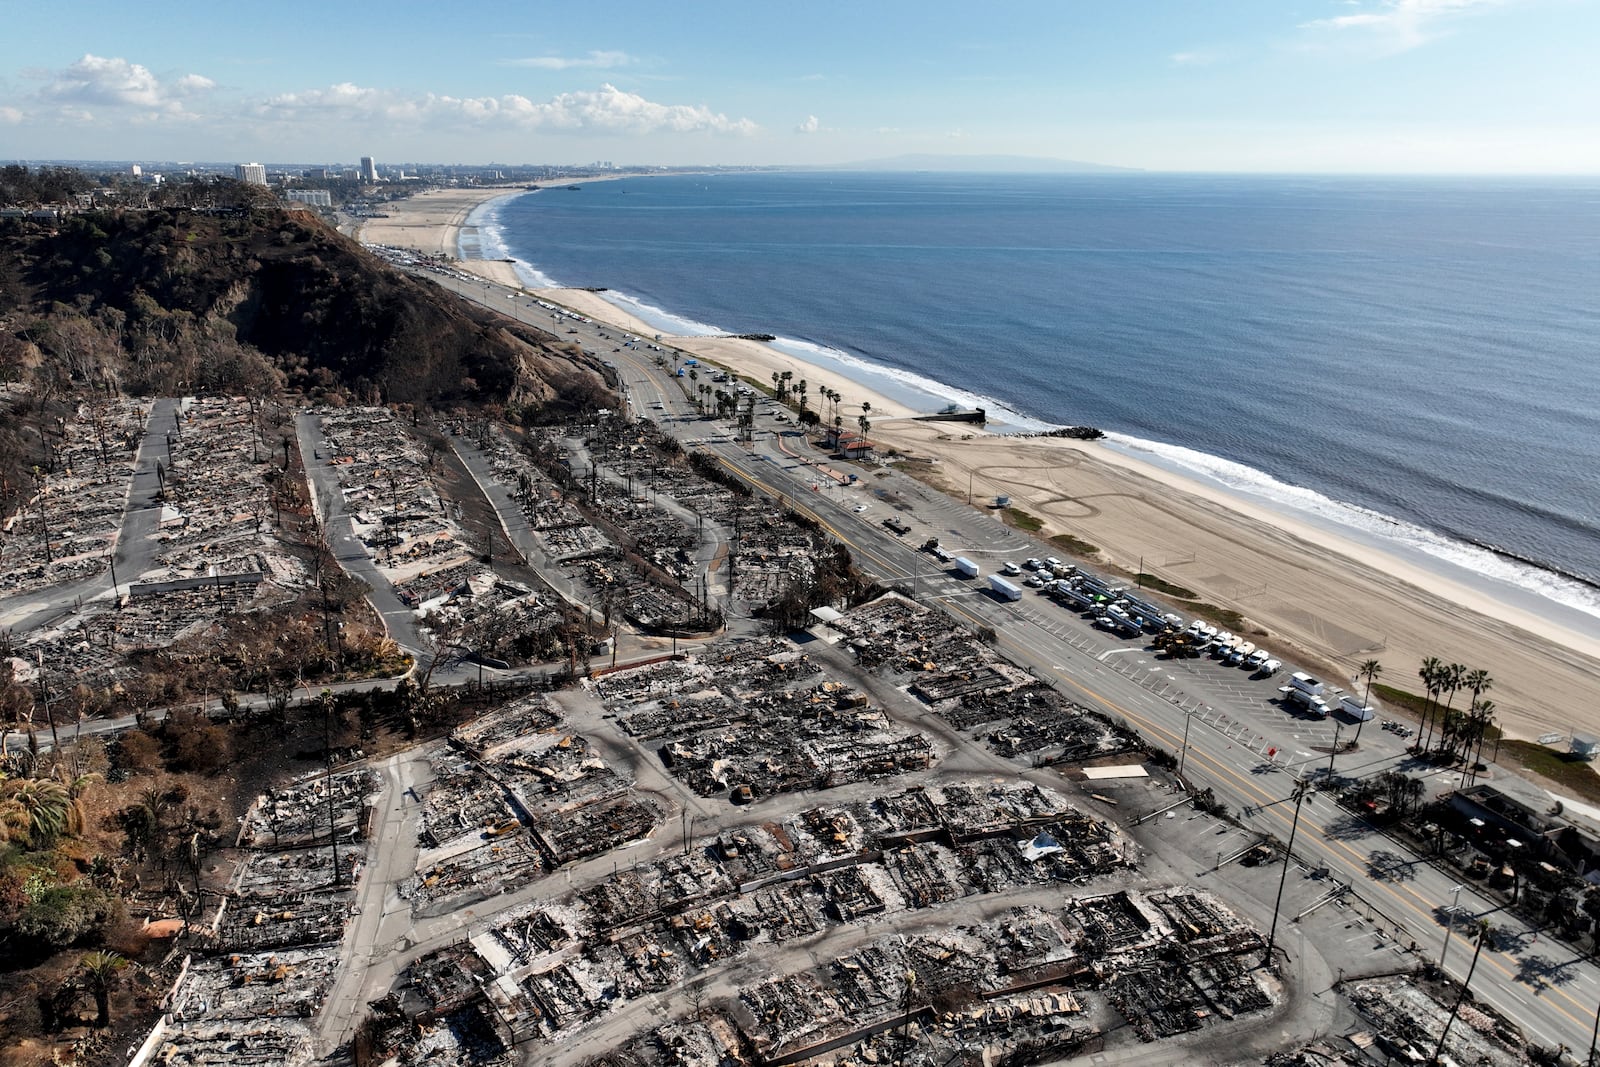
pixel 810 125
pixel 113 94
pixel 1401 24
pixel 1192 59
pixel 595 60
pixel 101 82
pixel 606 110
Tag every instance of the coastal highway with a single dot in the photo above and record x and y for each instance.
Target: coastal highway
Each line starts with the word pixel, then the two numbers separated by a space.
pixel 1547 988
pixel 1231 722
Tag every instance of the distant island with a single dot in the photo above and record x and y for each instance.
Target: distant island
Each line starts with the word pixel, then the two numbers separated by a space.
pixel 986 164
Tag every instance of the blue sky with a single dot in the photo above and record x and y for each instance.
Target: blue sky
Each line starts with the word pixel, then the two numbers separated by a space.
pixel 1452 86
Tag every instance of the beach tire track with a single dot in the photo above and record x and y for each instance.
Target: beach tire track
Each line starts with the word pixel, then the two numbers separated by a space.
pixel 1043 502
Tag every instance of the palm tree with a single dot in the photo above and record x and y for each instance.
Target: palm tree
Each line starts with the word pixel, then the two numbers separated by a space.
pixel 37 810
pixel 1454 676
pixel 13 821
pixel 1369 670
pixel 1482 720
pixel 1479 682
pixel 1429 673
pixel 1484 930
pixel 76 787
pixel 99 972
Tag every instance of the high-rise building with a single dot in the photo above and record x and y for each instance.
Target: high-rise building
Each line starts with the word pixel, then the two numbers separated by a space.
pixel 251 173
pixel 369 169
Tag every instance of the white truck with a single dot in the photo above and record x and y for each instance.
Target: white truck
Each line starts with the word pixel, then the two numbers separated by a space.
pixel 965 567
pixel 1004 589
pixel 1306 692
pixel 1354 709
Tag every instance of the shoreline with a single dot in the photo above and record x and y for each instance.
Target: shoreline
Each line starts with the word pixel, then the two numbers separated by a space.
pixel 1330 598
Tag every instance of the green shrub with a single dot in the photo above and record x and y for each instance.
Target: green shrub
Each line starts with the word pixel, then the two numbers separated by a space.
pixel 1022 520
pixel 1076 545
pixel 67 914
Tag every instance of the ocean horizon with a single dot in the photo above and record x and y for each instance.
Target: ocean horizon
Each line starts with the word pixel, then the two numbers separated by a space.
pixel 1403 361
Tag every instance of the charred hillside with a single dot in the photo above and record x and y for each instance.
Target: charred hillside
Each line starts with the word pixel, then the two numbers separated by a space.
pixel 250 299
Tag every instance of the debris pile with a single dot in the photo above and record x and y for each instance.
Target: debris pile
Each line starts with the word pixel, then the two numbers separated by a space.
pixel 1408 1019
pixel 268 963
pixel 66 531
pixel 386 477
pixel 514 798
pixel 755 721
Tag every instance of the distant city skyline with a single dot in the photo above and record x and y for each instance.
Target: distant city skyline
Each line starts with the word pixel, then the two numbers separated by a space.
pixel 1323 86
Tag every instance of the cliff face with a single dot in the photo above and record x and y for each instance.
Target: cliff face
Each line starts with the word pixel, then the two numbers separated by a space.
pixel 238 299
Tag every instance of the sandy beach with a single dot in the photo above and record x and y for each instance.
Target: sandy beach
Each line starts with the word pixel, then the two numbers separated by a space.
pixel 1326 602
pixel 431 222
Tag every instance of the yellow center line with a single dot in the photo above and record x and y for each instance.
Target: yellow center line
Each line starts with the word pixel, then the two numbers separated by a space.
pixel 1417 902
pixel 1420 906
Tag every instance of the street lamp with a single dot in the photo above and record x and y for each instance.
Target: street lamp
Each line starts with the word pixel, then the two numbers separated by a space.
pixel 1450 922
pixel 1302 788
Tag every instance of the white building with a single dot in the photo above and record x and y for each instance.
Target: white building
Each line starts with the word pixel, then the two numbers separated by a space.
pixel 309 197
pixel 251 173
pixel 369 169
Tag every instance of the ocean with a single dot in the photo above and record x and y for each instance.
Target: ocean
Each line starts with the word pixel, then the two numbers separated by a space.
pixel 1413 362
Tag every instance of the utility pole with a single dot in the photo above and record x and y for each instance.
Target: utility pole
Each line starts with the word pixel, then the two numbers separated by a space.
pixel 1188 717
pixel 1483 935
pixel 1450 922
pixel 1337 725
pixel 1302 789
pixel 44 524
pixel 44 699
pixel 1594 1039
pixel 327 752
